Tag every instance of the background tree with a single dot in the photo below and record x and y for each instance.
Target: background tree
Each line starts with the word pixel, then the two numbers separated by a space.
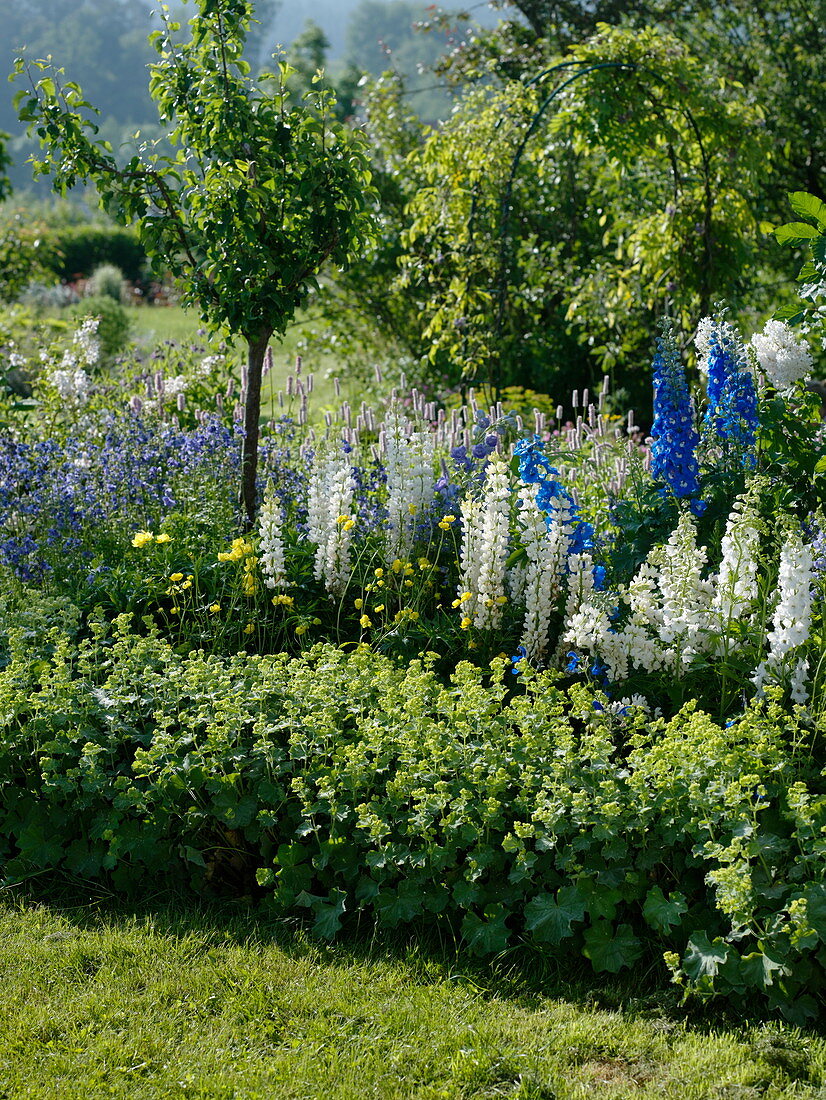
pixel 261 192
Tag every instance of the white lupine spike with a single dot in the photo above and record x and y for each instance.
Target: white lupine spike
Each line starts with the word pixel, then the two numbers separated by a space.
pixel 546 546
pixel 409 462
pixel 329 520
pixel 486 524
pixel 271 543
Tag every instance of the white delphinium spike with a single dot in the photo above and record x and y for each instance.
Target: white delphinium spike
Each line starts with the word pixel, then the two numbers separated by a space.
pixel 329 519
pixel 791 622
pixel 271 542
pixel 485 532
pixel 783 359
pixel 685 598
pixel 589 632
pixel 546 546
pixel 409 463
pixel 736 582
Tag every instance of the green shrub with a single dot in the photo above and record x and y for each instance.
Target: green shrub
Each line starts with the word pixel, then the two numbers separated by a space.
pixel 79 249
pixel 344 785
pixel 113 329
pixel 107 281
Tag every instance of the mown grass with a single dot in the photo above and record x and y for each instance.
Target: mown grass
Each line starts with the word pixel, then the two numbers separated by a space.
pixel 152 325
pixel 209 1003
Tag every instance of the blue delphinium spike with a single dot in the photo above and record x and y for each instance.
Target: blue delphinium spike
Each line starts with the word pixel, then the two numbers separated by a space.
pixel 675 438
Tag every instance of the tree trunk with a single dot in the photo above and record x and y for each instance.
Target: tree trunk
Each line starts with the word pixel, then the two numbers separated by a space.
pixel 256 349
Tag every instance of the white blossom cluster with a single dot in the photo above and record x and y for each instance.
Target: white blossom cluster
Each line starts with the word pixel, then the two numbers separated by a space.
pixel 409 462
pixel 485 532
pixel 783 359
pixel 72 385
pixel 667 611
pixel 271 542
pixel 86 342
pixel 737 580
pixel 329 519
pixel 791 622
pixel 702 339
pixel 546 547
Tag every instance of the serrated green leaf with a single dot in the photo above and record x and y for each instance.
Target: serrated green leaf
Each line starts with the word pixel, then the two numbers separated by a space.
pixel 703 959
pixel 550 919
pixel 661 912
pixel 609 950
pixel 759 969
pixel 488 934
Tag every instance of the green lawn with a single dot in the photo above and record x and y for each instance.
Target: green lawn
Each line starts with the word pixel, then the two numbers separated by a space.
pixel 210 1004
pixel 154 324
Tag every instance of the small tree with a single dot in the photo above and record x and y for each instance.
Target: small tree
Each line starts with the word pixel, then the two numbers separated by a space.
pixel 260 194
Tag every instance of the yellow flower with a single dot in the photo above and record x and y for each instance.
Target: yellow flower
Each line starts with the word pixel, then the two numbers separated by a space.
pixel 465 597
pixel 408 584
pixel 358 604
pixel 174 610
pixel 302 628
pixel 412 509
pixel 414 615
pixel 283 601
pixel 225 556
pixel 176 577
pixel 316 622
pixel 409 570
pixel 378 572
pixel 365 621
pixel 378 608
pixel 398 565
pixel 466 622
pixel 163 538
pixel 142 538
pixel 342 518
pixel 349 525
pixel 423 564
pixel 214 608
pixel 249 628
pixel 446 521
pixel 501 600
pixel 379 584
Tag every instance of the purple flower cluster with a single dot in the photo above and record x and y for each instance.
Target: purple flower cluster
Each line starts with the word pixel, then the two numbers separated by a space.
pixel 121 472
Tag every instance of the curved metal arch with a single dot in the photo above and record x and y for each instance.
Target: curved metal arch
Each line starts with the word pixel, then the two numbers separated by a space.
pixel 584 68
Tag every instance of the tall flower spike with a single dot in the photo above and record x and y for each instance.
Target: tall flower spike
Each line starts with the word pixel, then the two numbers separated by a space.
pixel 271 543
pixel 786 660
pixel 731 416
pixel 675 438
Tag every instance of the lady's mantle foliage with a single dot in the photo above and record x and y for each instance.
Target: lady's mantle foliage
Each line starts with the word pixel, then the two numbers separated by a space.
pixel 348 786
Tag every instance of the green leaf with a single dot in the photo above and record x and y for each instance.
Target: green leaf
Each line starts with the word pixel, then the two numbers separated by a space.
pixel 486 935
pixel 661 912
pixel 608 950
pixel 808 206
pixel 703 959
pixel 759 969
pixel 550 919
pixel 795 233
